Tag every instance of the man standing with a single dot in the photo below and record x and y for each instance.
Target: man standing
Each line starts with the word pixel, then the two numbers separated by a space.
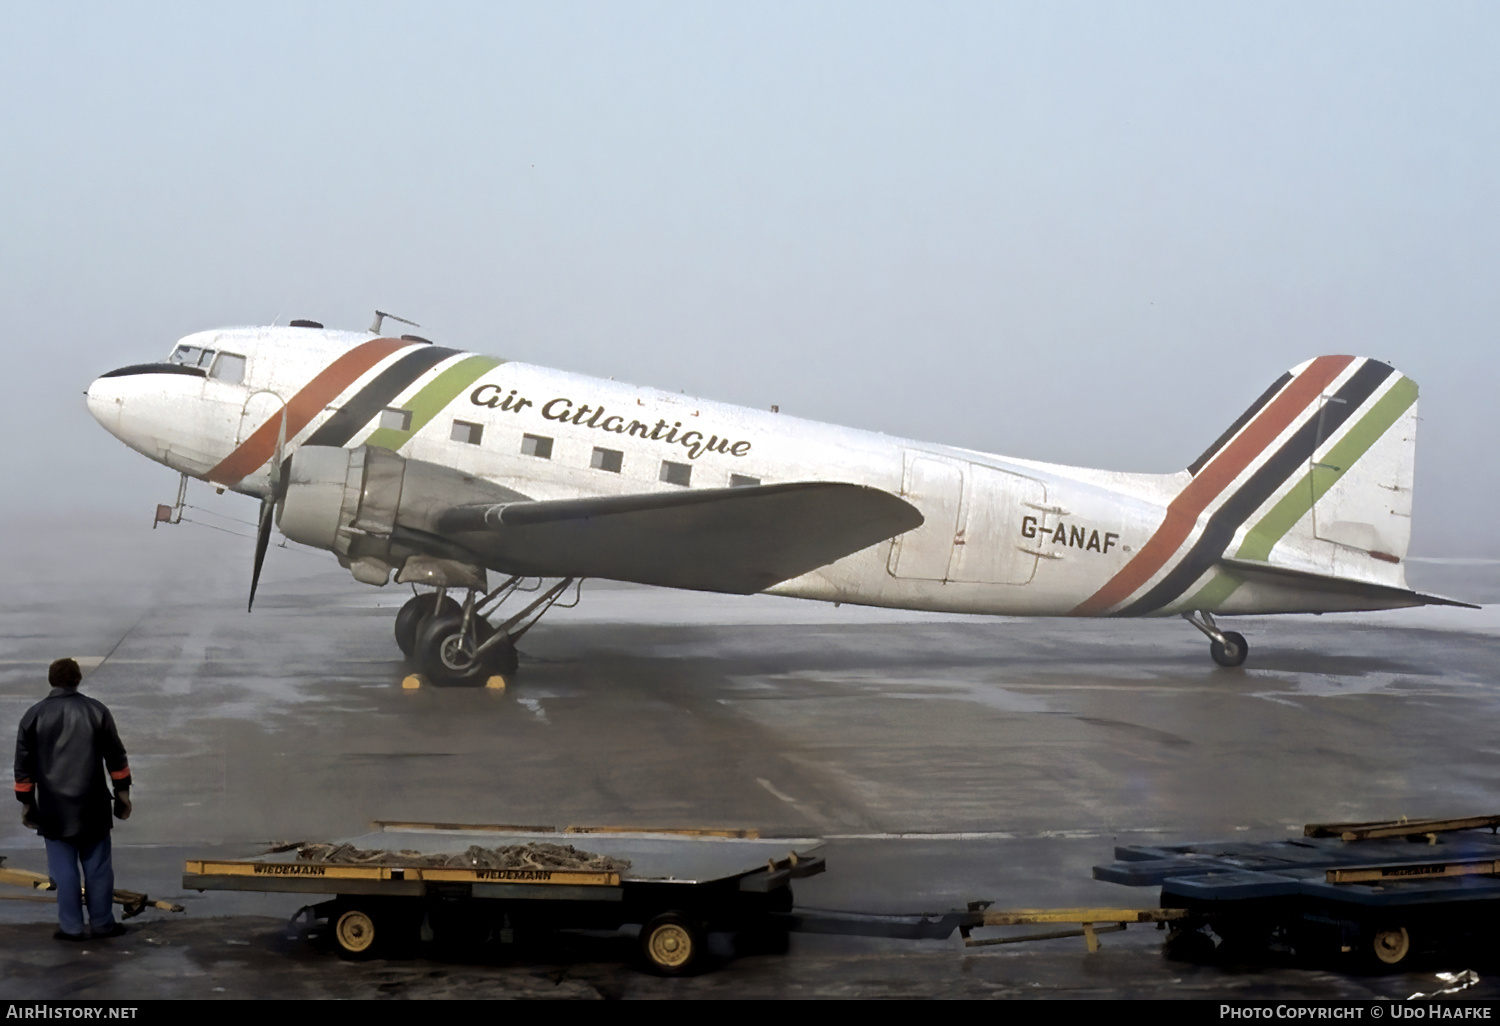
pixel 65 744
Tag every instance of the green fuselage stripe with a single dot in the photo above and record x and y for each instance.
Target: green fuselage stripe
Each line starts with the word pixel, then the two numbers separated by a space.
pixel 1323 475
pixel 433 397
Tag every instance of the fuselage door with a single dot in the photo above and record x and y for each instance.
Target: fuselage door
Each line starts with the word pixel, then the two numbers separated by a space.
pixel 935 486
pixel 988 547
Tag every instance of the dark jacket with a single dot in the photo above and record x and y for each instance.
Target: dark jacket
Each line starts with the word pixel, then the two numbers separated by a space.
pixel 65 744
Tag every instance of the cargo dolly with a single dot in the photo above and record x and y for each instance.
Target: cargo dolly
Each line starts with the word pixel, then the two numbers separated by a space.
pixel 679 886
pixel 1378 894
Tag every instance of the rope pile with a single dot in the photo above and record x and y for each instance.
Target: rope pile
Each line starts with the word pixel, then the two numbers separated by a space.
pixel 535 855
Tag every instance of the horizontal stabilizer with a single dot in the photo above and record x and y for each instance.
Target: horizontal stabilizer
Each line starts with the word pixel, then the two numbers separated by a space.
pixel 737 540
pixel 1380 595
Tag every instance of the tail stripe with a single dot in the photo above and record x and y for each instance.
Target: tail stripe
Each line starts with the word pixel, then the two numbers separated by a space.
pixel 309 401
pixel 1295 504
pixel 1221 471
pixel 1234 428
pixel 1293 455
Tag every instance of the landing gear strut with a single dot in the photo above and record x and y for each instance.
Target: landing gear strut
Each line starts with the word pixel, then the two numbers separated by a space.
pixel 457 644
pixel 1228 648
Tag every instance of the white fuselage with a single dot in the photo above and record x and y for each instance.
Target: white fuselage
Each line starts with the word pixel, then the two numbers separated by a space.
pixel 1001 535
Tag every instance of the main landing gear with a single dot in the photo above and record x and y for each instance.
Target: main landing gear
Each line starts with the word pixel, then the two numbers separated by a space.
pixel 1228 648
pixel 455 643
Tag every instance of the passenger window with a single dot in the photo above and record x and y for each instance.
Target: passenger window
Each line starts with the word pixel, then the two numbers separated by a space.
pixel 465 432
pixel 536 445
pixel 395 420
pixel 229 368
pixel 676 473
pixel 608 459
pixel 741 481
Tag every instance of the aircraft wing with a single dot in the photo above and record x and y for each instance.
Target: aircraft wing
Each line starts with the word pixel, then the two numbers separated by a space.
pixel 737 540
pixel 1381 593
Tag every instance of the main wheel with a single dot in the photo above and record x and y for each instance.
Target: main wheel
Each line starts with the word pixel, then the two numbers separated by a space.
pixel 1231 651
pixel 447 655
pixel 414 612
pixel 673 943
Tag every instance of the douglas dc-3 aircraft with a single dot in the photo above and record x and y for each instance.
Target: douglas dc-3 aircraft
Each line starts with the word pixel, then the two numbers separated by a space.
pixel 436 465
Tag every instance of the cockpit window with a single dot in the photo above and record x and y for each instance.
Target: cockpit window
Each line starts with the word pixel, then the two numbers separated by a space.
pixel 192 356
pixel 229 368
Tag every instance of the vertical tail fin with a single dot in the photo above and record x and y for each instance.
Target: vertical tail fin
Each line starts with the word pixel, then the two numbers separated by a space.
pixel 1316 476
pixel 1346 509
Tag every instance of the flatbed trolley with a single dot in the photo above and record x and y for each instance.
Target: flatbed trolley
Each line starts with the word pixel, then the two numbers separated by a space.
pixel 1378 894
pixel 680 885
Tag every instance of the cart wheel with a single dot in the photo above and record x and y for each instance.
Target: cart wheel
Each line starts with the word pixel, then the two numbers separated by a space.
pixel 354 933
pixel 672 943
pixel 1190 944
pixel 1391 946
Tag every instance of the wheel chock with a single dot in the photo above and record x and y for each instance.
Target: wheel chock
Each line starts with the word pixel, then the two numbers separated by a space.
pixel 495 683
pixel 411 682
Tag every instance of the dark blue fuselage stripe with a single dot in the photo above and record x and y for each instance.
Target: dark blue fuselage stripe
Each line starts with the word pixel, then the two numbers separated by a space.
pixel 367 403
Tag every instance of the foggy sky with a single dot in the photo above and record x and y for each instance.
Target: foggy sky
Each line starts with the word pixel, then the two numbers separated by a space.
pixel 1086 233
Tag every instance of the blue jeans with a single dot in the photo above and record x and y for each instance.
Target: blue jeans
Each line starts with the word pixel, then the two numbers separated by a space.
pixel 98 881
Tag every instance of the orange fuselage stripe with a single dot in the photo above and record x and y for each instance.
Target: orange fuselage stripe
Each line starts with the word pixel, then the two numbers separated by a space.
pixel 310 401
pixel 1184 510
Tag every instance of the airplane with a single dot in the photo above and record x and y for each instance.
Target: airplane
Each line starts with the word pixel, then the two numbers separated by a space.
pixel 439 466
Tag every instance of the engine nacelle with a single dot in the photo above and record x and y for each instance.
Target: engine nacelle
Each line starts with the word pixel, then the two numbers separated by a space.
pixel 372 509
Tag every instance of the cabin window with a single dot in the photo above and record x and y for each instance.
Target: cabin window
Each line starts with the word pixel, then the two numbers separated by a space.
pixel 741 481
pixel 539 446
pixel 192 356
pixel 396 420
pixel 608 459
pixel 676 473
pixel 229 368
pixel 465 432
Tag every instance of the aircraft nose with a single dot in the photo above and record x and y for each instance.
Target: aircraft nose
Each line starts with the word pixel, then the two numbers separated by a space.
pixel 105 397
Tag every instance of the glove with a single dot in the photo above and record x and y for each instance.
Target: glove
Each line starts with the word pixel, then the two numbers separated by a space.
pixel 122 804
pixel 28 817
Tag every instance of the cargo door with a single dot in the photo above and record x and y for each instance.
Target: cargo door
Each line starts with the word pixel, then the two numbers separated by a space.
pixel 987 549
pixel 935 486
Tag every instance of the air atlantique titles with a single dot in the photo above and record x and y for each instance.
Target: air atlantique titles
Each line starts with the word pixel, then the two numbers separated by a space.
pixel 584 415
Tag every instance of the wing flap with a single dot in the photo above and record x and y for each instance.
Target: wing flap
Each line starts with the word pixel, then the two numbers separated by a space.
pixel 737 540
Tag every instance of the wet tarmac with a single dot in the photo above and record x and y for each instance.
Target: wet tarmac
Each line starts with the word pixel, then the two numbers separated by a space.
pixel 945 759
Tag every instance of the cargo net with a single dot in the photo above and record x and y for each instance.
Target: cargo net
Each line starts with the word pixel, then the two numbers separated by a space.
pixel 536 855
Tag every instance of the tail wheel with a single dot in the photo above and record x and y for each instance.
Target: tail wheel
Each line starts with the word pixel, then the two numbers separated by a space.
pixel 414 612
pixel 1231 651
pixel 673 943
pixel 355 933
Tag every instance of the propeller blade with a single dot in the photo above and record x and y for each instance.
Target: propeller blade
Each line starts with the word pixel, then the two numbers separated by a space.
pixel 280 470
pixel 262 539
